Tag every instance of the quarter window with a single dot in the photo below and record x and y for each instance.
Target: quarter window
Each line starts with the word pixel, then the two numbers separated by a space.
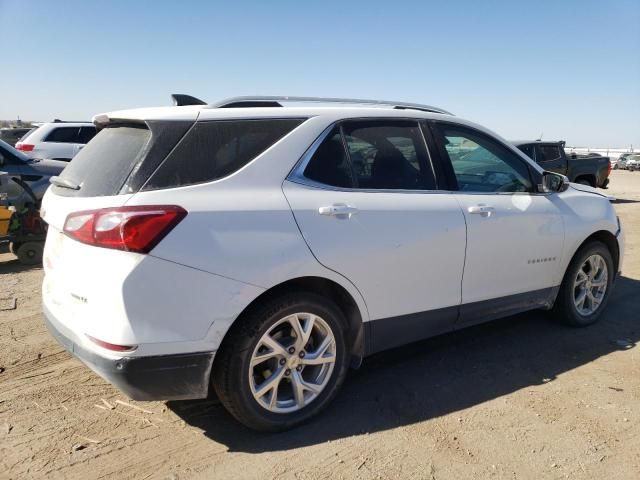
pixel 380 155
pixel 481 164
pixel 215 149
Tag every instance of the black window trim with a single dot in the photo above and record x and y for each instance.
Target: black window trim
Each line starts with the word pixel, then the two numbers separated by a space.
pixel 443 159
pixel 296 175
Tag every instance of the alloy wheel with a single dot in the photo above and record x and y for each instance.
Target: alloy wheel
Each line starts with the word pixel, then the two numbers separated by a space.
pixel 292 363
pixel 590 285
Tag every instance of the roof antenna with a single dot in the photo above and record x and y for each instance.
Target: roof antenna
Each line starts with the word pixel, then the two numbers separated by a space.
pixel 540 137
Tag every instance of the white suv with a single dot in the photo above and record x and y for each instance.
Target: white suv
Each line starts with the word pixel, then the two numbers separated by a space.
pixel 57 140
pixel 264 250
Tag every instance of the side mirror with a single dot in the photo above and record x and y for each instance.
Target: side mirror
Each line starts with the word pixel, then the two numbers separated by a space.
pixel 553 182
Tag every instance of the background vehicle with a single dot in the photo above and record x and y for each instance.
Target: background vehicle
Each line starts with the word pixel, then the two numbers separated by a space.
pixel 633 162
pixel 20 223
pixel 57 140
pixel 35 172
pixel 13 135
pixel 264 250
pixel 591 170
pixel 622 161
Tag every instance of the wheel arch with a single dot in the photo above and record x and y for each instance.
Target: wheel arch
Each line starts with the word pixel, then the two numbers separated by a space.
pixel 588 177
pixel 611 242
pixel 349 306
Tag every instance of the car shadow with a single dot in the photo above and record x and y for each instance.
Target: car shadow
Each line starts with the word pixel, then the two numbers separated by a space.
pixel 442 375
pixel 14 266
pixel 625 200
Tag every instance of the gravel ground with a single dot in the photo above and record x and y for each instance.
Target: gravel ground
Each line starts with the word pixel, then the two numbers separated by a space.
pixel 522 397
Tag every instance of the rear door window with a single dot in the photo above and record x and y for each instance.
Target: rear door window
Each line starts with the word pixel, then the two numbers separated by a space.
pixel 63 135
pixel 215 149
pixel 86 134
pixel 388 154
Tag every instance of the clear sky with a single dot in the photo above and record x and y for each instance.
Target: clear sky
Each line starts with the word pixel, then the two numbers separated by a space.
pixel 567 69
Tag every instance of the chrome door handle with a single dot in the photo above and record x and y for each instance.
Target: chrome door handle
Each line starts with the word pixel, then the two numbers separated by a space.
pixel 483 210
pixel 338 210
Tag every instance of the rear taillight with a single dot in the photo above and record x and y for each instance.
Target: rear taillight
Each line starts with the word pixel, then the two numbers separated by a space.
pixel 134 229
pixel 609 169
pixel 24 147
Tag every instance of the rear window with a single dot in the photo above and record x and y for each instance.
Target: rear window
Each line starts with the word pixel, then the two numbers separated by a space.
pixel 103 166
pixel 63 135
pixel 213 150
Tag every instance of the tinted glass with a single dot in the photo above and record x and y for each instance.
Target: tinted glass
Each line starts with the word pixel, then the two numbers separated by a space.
pixel 527 150
pixel 547 153
pixel 86 134
pixel 212 150
pixel 63 135
pixel 481 164
pixel 388 155
pixel 102 167
pixel 329 164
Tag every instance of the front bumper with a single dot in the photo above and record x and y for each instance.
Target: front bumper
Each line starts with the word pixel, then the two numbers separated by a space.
pixel 161 377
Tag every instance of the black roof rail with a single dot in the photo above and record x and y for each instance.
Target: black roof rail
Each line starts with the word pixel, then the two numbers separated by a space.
pixel 275 101
pixel 57 120
pixel 180 99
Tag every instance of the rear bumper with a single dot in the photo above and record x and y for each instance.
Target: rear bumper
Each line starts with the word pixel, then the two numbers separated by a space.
pixel 161 377
pixel 605 183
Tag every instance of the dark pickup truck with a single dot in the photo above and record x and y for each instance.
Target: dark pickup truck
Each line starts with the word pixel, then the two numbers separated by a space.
pixel 592 170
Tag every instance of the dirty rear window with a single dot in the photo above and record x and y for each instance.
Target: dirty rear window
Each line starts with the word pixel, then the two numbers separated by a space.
pixel 103 165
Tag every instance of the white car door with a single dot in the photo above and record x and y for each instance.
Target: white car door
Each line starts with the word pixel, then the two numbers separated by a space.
pixel 514 235
pixel 374 215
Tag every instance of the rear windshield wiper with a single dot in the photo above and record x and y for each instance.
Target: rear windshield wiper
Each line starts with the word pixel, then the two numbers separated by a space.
pixel 64 183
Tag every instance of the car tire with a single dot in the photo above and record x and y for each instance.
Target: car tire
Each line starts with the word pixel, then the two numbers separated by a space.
pixel 29 253
pixel 13 247
pixel 582 276
pixel 262 394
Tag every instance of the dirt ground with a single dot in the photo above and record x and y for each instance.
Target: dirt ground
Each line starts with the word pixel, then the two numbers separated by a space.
pixel 520 398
